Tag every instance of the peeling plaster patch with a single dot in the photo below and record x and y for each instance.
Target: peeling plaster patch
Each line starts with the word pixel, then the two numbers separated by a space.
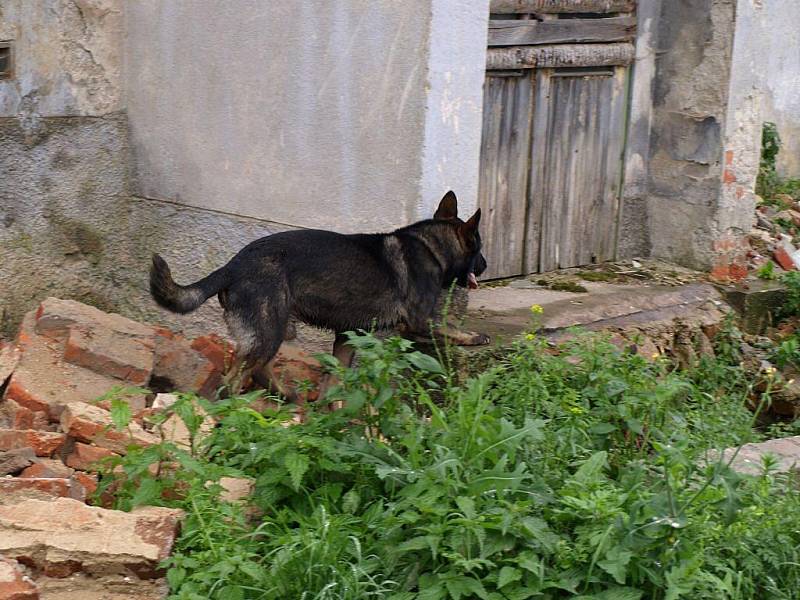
pixel 68 55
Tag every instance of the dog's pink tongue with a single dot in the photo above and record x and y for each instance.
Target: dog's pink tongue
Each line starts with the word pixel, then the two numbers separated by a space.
pixel 472 281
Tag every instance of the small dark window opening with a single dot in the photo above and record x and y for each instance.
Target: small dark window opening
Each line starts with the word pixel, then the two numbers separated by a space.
pixel 5 60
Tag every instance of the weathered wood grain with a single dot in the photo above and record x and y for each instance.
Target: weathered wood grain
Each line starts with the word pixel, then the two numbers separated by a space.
pixel 502 193
pixel 577 154
pixel 561 6
pixel 519 33
pixel 566 55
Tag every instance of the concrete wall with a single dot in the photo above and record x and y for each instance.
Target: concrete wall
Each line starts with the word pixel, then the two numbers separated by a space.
pixel 310 114
pixel 778 56
pixel 690 103
pixel 322 114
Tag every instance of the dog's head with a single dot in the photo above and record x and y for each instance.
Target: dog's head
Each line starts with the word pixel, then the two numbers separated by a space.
pixel 469 263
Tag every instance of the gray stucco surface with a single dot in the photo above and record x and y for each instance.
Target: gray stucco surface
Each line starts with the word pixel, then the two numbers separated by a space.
pixel 67 56
pixel 306 114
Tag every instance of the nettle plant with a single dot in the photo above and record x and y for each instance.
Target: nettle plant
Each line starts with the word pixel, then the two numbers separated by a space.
pixel 586 472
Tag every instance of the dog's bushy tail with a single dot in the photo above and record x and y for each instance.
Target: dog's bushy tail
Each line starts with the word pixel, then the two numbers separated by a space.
pixel 182 298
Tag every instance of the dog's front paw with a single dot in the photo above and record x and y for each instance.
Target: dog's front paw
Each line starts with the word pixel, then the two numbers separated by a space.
pixel 467 338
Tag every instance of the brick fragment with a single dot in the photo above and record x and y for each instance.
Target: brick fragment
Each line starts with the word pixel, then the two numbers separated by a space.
pixel 87 480
pixel 86 458
pixel 92 424
pixel 14 461
pixel 20 417
pixel 47 468
pixel 65 536
pixel 179 366
pixel 17 489
pixel 45 382
pixel 43 443
pixel 14 584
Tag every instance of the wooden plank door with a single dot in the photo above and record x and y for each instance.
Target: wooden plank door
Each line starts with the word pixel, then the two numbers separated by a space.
pixel 578 143
pixel 502 191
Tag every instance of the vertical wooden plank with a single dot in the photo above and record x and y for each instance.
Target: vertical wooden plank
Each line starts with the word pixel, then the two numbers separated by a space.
pixel 576 169
pixel 616 163
pixel 504 171
pixel 537 193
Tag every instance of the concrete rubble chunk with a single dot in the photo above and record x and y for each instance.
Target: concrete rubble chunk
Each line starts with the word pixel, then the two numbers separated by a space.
pixel 236 489
pixel 9 359
pixel 14 461
pixel 43 443
pixel 14 583
pixel 64 537
pixel 17 489
pixel 44 382
pixel 175 430
pixel 749 459
pixel 92 424
pixel 107 587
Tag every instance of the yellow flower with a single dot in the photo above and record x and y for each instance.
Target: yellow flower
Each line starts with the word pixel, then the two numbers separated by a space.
pixel 576 410
pixel 530 336
pixel 537 309
pixel 770 371
pixel 655 355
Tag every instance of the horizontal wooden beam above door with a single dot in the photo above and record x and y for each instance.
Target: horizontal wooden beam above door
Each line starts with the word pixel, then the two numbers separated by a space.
pixel 561 31
pixel 565 55
pixel 561 6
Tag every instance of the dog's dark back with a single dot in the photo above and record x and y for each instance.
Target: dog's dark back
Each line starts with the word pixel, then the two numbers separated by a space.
pixel 331 280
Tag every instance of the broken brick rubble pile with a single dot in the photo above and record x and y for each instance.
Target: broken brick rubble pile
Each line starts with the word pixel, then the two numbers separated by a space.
pixel 774 234
pixel 55 425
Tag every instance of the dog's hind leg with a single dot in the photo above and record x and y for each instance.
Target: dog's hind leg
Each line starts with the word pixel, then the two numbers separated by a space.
pixel 344 353
pixel 259 329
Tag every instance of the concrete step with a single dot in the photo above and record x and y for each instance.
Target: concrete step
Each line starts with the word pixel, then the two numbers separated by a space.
pixel 505 313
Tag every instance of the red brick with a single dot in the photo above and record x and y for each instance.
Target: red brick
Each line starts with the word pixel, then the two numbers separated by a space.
pixel 20 417
pixel 293 366
pixel 728 176
pixel 87 480
pixel 14 584
pixel 108 353
pixel 44 443
pixel 47 468
pixel 92 424
pixel 17 489
pixel 215 349
pixel 44 382
pixel 179 366
pixel 106 343
pixel 728 158
pixel 85 457
pixel 783 258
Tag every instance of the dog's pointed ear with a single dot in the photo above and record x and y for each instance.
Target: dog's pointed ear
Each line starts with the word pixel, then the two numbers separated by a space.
pixel 474 221
pixel 448 207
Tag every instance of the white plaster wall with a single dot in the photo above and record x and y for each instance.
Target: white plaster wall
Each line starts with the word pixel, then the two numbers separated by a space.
pixel 454 115
pixel 778 55
pixel 305 113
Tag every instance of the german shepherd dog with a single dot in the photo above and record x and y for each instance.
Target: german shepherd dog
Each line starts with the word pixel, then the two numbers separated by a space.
pixel 334 281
